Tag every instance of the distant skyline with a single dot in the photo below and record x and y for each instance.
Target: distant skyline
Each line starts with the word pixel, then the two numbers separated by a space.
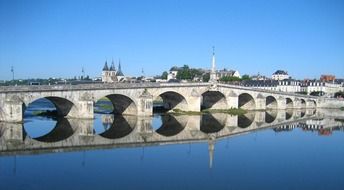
pixel 42 39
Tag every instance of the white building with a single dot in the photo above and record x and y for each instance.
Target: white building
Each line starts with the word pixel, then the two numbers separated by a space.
pixel 282 86
pixel 288 85
pixel 329 88
pixel 172 75
pixel 227 73
pixel 280 75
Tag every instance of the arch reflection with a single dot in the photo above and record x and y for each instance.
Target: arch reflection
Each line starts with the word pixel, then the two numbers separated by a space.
pixel 171 125
pixel 289 114
pixel 270 116
pixel 212 123
pixel 246 120
pixel 120 127
pixel 60 132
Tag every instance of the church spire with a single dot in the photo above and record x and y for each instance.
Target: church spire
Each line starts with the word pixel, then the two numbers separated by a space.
pixel 105 68
pixel 119 72
pixel 213 78
pixel 112 67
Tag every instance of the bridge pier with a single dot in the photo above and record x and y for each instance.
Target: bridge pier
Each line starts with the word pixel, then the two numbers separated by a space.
pixel 281 103
pixel 260 103
pixel 194 103
pixel 11 132
pixel 12 110
pixel 233 102
pixel 297 103
pixel 145 104
pixel 260 117
pixel 281 116
pixel 82 110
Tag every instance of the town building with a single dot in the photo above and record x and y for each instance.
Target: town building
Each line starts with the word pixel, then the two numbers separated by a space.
pixel 326 88
pixel 327 78
pixel 172 75
pixel 259 77
pixel 110 74
pixel 288 85
pixel 227 73
pixel 280 75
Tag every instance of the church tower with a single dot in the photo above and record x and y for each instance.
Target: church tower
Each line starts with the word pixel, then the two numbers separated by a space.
pixel 105 73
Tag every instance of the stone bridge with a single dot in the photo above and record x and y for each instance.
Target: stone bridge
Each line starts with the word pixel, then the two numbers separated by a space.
pixel 128 131
pixel 77 101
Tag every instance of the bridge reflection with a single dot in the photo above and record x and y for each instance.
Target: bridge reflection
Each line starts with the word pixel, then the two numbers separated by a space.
pixel 129 131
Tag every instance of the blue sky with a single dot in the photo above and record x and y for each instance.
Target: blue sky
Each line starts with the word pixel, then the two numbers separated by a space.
pixel 43 38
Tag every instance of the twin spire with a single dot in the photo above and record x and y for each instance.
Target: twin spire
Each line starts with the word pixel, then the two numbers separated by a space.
pixel 113 67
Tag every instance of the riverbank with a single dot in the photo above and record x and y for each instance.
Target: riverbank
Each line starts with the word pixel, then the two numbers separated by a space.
pixel 232 111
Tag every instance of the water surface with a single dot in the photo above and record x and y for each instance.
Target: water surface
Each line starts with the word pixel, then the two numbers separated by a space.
pixel 298 149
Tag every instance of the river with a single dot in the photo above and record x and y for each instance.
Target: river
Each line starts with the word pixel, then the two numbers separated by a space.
pixel 293 149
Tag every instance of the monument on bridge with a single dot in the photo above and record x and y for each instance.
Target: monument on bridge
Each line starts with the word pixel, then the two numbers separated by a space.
pixel 213 77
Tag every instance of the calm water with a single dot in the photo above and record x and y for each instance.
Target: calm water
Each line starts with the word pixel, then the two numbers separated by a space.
pixel 298 149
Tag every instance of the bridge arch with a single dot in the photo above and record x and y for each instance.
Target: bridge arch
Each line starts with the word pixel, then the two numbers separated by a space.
pixel 311 103
pixel 121 104
pixel 63 107
pixel 172 100
pixel 303 103
pixel 213 100
pixel 289 103
pixel 270 102
pixel 246 101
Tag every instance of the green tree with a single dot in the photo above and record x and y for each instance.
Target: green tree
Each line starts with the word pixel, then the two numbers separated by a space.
pixel 206 77
pixel 246 77
pixel 339 94
pixel 229 79
pixel 164 75
pixel 317 93
pixel 184 73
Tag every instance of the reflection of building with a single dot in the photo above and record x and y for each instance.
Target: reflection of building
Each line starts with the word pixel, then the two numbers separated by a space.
pixel 289 127
pixel 107 118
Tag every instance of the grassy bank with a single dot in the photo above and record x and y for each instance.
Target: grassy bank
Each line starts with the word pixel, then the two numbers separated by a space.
pixel 232 111
pixel 46 113
pixel 181 112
